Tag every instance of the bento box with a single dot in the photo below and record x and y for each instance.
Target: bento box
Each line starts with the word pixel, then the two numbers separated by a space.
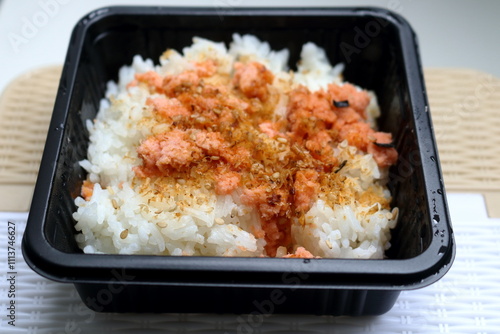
pixel 380 53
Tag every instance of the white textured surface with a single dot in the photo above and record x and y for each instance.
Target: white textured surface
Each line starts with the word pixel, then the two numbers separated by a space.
pixel 466 300
pixel 452 33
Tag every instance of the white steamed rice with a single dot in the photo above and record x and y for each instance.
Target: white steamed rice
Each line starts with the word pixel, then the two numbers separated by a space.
pixel 119 219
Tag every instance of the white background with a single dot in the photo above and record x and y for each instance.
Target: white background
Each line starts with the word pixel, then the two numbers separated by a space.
pixel 463 33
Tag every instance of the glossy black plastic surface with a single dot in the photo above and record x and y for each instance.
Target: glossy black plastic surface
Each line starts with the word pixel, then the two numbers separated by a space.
pixel 380 52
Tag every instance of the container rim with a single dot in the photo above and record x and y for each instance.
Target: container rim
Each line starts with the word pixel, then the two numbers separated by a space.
pixel 410 273
pixel 356 273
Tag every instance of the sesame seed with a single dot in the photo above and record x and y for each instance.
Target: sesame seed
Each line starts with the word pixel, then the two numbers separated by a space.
pixel 282 140
pixel 395 213
pixel 124 234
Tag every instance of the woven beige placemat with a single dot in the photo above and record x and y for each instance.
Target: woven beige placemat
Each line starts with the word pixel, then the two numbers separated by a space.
pixel 465 107
pixel 25 109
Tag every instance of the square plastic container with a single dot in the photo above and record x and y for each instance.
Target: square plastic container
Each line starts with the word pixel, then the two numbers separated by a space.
pixel 380 52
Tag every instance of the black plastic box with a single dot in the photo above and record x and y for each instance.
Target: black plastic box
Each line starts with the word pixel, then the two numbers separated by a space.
pixel 380 52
